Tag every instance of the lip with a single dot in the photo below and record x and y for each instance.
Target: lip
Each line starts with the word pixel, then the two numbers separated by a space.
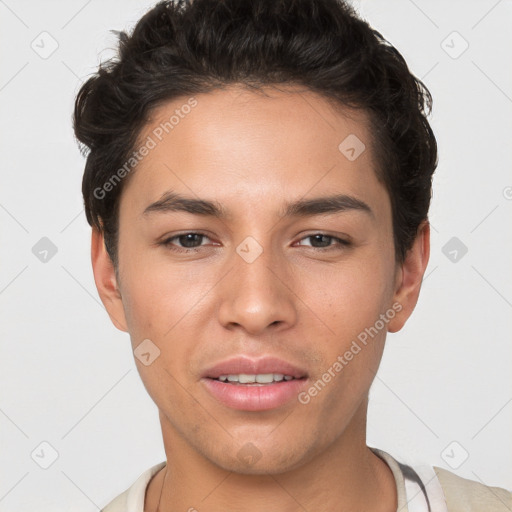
pixel 244 364
pixel 246 397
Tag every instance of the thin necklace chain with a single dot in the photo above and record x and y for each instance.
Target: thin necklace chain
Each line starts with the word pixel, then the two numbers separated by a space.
pixel 161 491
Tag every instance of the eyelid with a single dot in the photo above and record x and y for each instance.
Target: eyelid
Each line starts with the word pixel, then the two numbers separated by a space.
pixel 339 241
pixel 166 240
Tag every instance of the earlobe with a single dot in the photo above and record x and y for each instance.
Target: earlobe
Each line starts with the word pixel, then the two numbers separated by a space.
pixel 410 276
pixel 106 281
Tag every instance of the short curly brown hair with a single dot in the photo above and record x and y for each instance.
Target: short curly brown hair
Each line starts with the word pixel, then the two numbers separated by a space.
pixel 187 47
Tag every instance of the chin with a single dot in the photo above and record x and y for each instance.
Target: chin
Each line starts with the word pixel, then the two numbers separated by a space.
pixel 260 468
pixel 265 460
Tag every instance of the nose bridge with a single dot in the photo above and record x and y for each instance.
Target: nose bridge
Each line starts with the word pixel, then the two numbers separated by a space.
pixel 255 267
pixel 254 295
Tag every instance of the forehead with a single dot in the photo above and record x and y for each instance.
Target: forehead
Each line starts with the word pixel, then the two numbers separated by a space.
pixel 254 147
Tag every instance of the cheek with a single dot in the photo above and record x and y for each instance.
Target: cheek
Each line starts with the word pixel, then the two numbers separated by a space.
pixel 156 295
pixel 349 298
pixel 156 307
pixel 168 307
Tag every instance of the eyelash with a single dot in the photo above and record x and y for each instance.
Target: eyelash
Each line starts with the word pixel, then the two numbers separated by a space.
pixel 168 242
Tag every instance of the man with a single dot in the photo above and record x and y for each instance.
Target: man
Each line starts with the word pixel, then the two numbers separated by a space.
pixel 258 181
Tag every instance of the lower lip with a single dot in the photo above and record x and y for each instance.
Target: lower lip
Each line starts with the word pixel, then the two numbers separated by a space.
pixel 254 398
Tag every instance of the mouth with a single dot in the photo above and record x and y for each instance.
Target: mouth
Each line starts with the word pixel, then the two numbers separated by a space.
pixel 245 370
pixel 254 385
pixel 261 379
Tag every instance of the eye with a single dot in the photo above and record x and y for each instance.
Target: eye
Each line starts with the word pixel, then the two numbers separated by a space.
pixel 322 241
pixel 192 241
pixel 188 241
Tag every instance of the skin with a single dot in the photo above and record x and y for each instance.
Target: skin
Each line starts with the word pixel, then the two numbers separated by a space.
pixel 253 152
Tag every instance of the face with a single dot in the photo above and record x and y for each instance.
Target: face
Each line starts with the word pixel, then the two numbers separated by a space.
pixel 285 268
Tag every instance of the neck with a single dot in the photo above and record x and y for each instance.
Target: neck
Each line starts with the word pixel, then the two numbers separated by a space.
pixel 347 475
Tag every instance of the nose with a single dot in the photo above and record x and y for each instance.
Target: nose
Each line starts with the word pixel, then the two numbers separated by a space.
pixel 257 295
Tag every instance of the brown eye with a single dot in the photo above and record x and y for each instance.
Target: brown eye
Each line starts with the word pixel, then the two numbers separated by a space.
pixel 184 241
pixel 323 241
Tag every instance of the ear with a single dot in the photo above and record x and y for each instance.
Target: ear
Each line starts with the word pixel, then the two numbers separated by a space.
pixel 409 277
pixel 106 281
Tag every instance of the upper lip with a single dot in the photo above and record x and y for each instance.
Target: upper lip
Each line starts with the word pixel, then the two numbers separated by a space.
pixel 247 365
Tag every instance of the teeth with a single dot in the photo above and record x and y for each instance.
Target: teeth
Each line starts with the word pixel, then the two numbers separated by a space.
pixel 264 378
pixel 261 378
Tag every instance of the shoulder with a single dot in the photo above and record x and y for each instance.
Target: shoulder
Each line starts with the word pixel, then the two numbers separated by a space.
pixel 132 500
pixel 118 504
pixel 464 495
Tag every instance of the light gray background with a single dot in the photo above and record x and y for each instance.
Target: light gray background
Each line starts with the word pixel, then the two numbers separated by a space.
pixel 67 376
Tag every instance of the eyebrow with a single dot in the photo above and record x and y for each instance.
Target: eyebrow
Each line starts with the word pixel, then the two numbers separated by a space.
pixel 174 202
